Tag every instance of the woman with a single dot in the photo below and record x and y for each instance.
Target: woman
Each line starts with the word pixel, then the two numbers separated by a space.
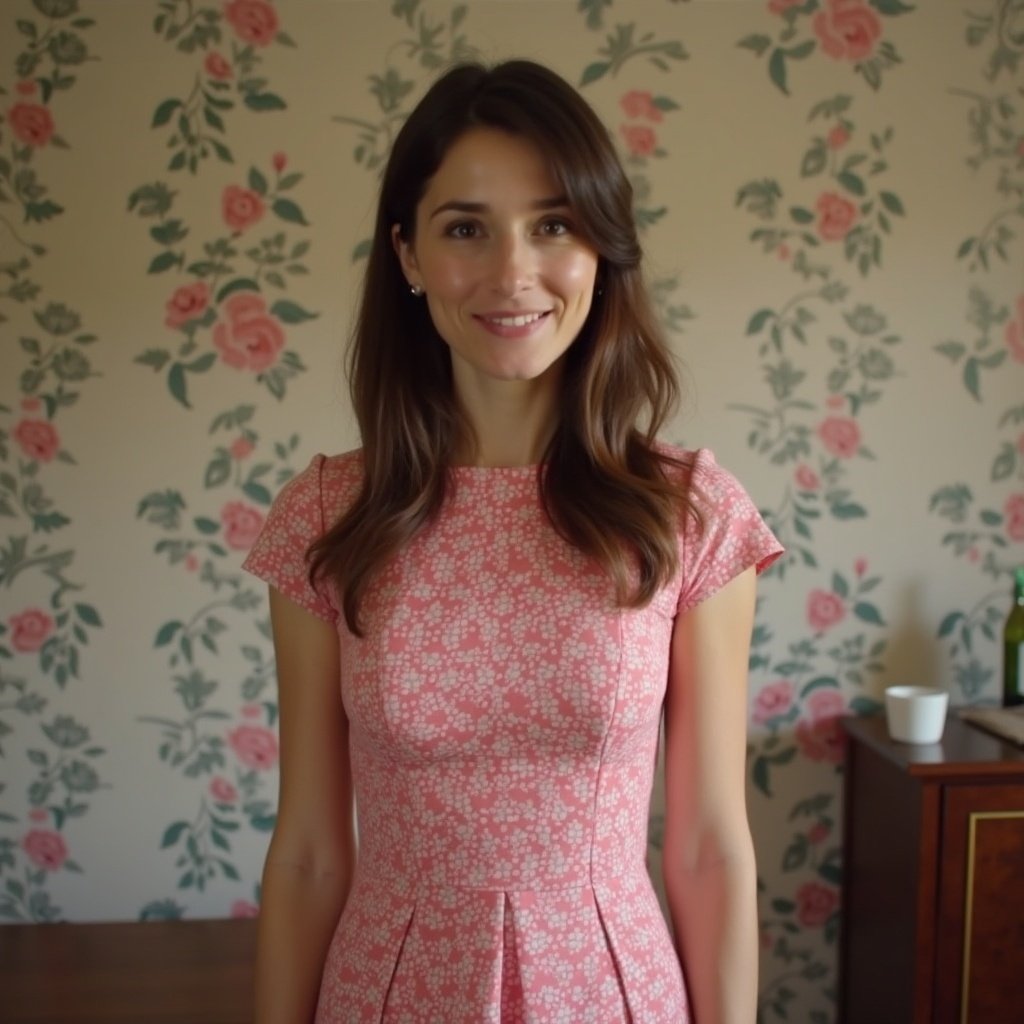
pixel 513 581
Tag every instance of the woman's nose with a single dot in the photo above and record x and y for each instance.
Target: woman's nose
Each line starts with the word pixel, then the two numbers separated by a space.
pixel 513 266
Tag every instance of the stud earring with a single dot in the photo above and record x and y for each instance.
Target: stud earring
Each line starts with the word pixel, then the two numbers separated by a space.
pixel 416 290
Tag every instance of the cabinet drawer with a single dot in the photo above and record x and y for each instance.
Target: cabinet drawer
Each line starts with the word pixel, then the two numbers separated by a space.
pixel 980 941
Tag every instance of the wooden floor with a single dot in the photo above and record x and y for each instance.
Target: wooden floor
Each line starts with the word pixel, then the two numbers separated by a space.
pixel 185 972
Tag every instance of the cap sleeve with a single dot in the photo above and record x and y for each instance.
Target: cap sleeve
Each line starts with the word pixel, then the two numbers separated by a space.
pixel 731 535
pixel 295 520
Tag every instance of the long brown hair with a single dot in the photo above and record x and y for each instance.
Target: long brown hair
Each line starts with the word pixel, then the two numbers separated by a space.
pixel 604 485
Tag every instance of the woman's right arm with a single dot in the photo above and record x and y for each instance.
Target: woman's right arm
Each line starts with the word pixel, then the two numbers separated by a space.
pixel 311 859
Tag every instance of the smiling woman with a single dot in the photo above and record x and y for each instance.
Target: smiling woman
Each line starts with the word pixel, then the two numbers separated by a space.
pixel 507 278
pixel 514 582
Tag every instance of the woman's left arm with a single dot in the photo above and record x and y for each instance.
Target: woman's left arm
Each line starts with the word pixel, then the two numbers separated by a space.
pixel 709 870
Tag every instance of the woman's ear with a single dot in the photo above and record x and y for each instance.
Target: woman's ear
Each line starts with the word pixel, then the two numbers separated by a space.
pixel 406 255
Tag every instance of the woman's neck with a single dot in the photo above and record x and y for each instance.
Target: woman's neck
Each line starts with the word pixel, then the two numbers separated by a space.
pixel 512 421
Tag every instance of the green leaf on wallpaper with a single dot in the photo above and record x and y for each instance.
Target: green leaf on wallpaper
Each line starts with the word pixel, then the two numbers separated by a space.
pixel 239 284
pixel 868 613
pixel 801 214
pixel 815 160
pixel 865 706
pixel 777 69
pixel 291 312
pixel 164 112
pixel 892 203
pixel 173 833
pixel 756 42
pixel 289 211
pixel 972 379
pixel 592 72
pixel 758 320
pixel 796 854
pixel 39 212
pixel 213 119
pixel 965 247
pixel 891 7
pixel 257 492
pixel 206 526
pixel 1005 462
pixel 167 633
pixel 851 182
pixel 820 682
pixel 164 261
pixel 261 101
pixel 990 517
pixel 169 232
pixel 56 8
pixel 162 910
pixel 847 510
pixel 257 182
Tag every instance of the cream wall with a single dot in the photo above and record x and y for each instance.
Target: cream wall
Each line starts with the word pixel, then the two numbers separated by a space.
pixel 89 821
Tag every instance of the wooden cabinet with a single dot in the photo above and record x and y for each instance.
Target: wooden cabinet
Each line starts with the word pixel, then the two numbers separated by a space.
pixel 933 879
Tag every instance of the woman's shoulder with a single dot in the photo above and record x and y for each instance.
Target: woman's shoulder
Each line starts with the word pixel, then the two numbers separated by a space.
pixel 324 487
pixel 695 467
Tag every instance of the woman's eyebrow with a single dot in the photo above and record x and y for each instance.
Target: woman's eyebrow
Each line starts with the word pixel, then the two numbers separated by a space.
pixel 464 206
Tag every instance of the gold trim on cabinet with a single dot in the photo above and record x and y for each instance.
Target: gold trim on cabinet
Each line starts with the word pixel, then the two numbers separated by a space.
pixel 972 818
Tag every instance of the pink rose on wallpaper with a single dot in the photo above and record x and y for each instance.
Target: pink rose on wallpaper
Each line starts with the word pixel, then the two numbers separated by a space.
pixel 26 87
pixel 188 302
pixel 838 137
pixel 806 478
pixel 815 904
pixel 217 66
pixel 254 21
pixel 242 207
pixel 773 700
pixel 1013 516
pixel 46 849
pixel 31 404
pixel 819 736
pixel 254 746
pixel 252 338
pixel 38 815
pixel 818 833
pixel 242 524
pixel 640 139
pixel 847 30
pixel 840 435
pixel 835 216
pixel 38 439
pixel 222 791
pixel 31 123
pixel 241 448
pixel 824 610
pixel 30 629
pixel 1015 332
pixel 639 103
pixel 243 908
pixel 279 161
pixel 820 741
pixel 825 705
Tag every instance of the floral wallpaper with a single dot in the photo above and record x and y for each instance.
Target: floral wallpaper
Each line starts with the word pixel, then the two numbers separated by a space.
pixel 831 193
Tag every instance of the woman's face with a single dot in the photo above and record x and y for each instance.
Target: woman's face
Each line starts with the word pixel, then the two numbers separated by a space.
pixel 507 278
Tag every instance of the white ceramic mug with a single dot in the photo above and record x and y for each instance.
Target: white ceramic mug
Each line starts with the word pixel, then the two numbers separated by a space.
pixel 916 714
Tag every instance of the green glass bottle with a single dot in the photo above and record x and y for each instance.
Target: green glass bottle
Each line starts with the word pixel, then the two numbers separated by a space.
pixel 1013 646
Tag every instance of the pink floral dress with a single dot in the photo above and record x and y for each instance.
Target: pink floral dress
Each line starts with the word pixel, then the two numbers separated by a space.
pixel 504 718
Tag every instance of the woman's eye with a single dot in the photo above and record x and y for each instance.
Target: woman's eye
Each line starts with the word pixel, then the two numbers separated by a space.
pixel 556 226
pixel 462 229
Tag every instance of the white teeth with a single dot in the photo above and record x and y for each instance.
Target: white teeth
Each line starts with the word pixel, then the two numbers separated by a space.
pixel 515 321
